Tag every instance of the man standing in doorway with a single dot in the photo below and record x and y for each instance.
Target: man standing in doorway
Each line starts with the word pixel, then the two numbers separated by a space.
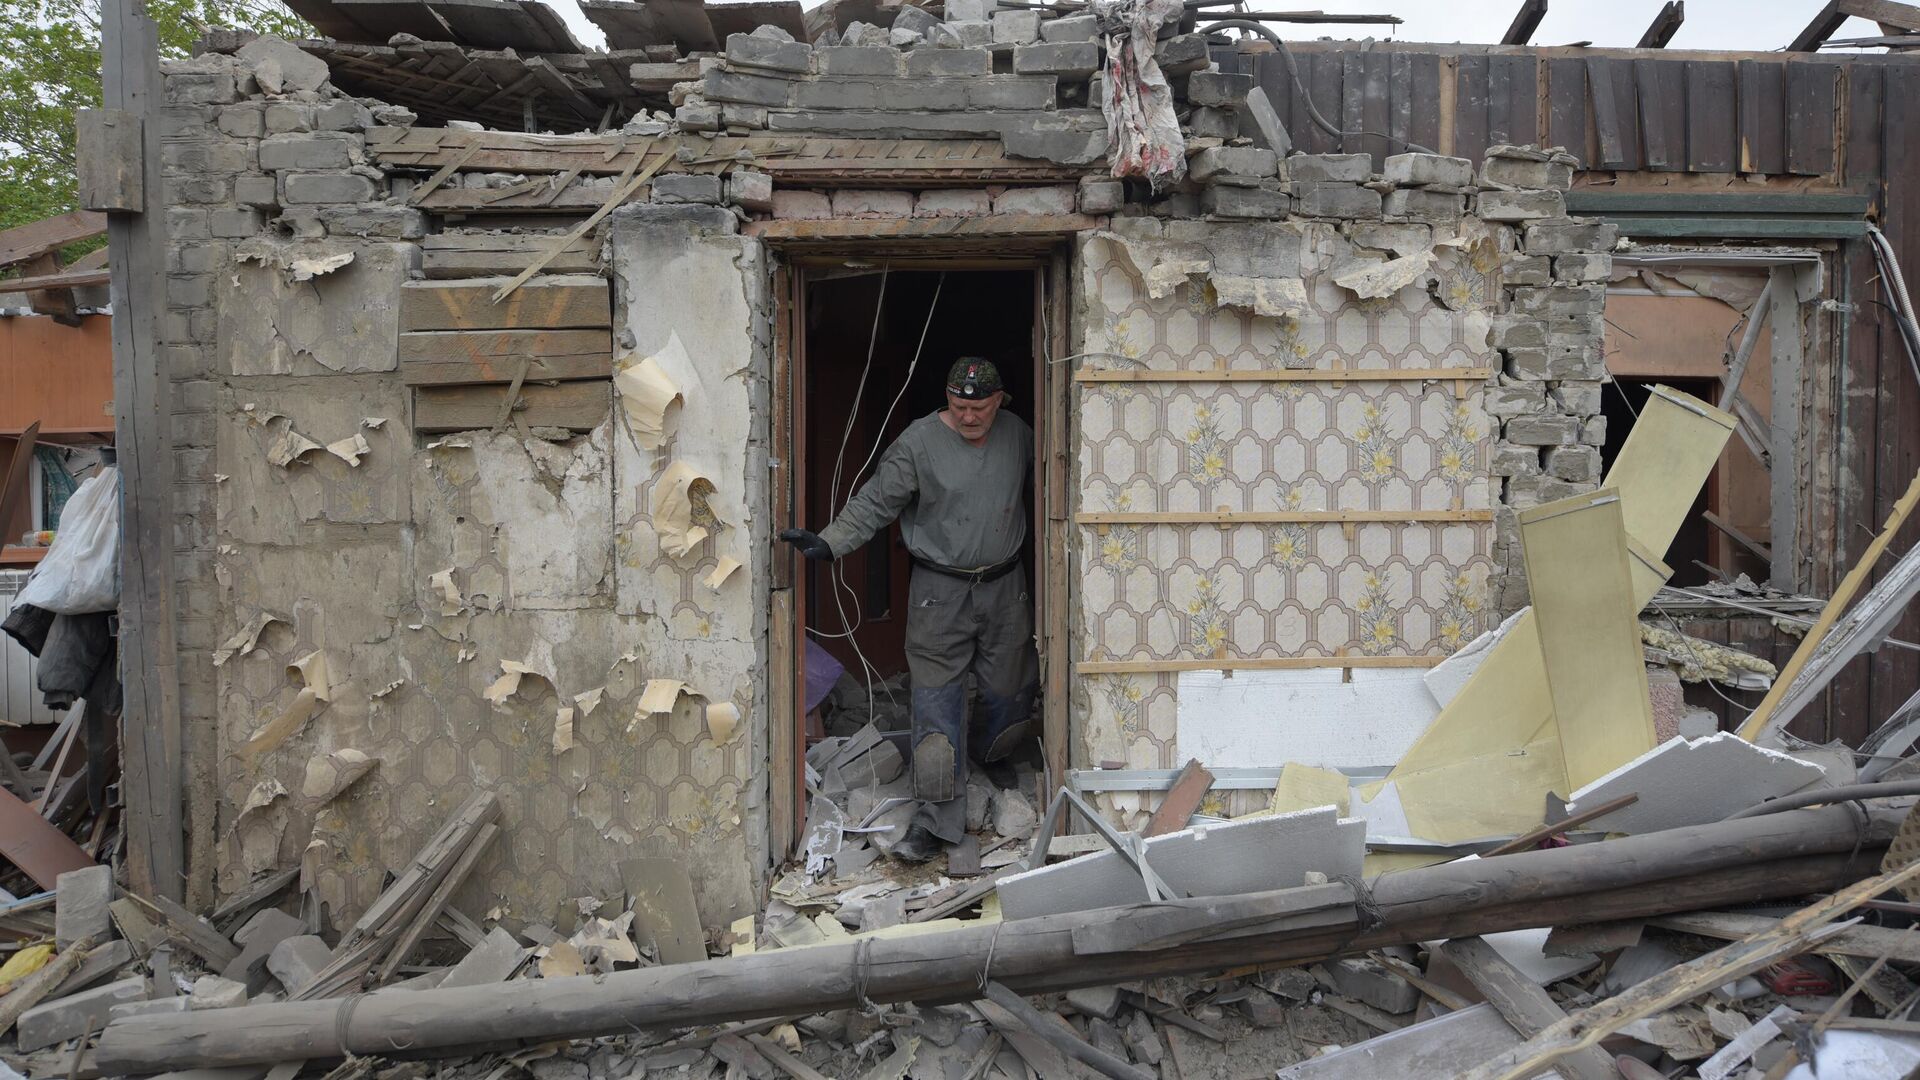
pixel 955 479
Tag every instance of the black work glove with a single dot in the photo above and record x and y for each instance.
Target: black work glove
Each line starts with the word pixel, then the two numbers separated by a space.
pixel 809 544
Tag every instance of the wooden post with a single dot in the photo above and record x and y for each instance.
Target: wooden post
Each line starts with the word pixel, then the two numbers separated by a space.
pixel 150 740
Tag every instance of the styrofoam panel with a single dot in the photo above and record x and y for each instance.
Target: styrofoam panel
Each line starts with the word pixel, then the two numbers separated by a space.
pixel 1694 781
pixel 1258 719
pixel 1249 855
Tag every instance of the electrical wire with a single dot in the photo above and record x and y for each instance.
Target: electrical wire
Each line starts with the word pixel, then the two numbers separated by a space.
pixel 1895 285
pixel 1293 72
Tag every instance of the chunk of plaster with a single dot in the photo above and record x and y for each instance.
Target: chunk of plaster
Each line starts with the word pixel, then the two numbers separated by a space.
pixel 660 695
pixel 1369 279
pixel 646 391
pixel 723 719
pixel 312 672
pixel 673 496
pixel 563 730
pixel 722 570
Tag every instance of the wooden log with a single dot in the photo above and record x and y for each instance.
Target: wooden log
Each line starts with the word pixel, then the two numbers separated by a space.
pixel 557 303
pixel 462 357
pixel 578 406
pixel 1743 861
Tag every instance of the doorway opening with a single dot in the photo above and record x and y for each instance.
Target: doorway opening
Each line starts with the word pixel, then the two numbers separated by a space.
pixel 870 341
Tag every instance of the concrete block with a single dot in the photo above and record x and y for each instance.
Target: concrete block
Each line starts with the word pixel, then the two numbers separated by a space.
pixel 74 1015
pixel 1422 170
pixel 1367 980
pixel 865 34
pixel 1182 54
pixel 1565 237
pixel 722 85
pixel 1101 195
pixel 738 114
pixel 1516 331
pixel 1543 430
pixel 1424 204
pixel 844 93
pixel 856 202
pixel 698 117
pixel 256 191
pixel 80 908
pixel 1016 27
pixel 962 35
pixel 753 51
pixel 1272 130
pixel 280 66
pixel 969 10
pixel 1232 160
pixel 215 992
pixel 1253 203
pixel 1071 28
pixel 686 188
pixel 1067 59
pixel 1507 172
pixel 1579 464
pixel 953 202
pixel 306 189
pixel 750 189
pixel 1577 398
pixel 858 60
pixel 1593 432
pixel 939 62
pixel 1584 266
pixel 1100 1001
pixel 1520 205
pixel 320 150
pixel 801 205
pixel 1036 200
pixel 496 957
pixel 1514 399
pixel 916 19
pixel 1208 123
pixel 282 117
pixel 297 959
pixel 1339 200
pixel 1218 89
pixel 235 224
pixel 1248 855
pixel 998 92
pixel 1527 270
pixel 1346 168
pixel 1694 781
pixel 246 120
pixel 1064 140
pixel 1400 238
pixel 342 116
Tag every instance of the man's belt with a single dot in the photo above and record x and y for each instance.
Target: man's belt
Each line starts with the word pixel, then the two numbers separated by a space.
pixel 981 576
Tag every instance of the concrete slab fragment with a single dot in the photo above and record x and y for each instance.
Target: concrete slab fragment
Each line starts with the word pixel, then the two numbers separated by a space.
pixel 73 1016
pixel 496 957
pixel 1444 1046
pixel 80 908
pixel 1249 855
pixel 1694 781
pixel 298 959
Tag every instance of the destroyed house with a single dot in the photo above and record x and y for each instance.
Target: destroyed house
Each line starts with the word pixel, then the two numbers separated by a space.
pixel 483 367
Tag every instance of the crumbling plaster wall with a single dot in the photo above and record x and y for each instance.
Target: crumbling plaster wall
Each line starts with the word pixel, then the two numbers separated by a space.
pixel 312 523
pixel 1194 296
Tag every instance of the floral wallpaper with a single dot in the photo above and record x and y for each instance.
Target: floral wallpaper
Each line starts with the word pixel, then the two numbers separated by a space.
pixel 1183 590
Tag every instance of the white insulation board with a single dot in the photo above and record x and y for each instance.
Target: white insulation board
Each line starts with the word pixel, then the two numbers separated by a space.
pixel 1314 717
pixel 1692 782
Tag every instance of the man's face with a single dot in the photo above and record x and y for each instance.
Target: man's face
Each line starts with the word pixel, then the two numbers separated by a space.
pixel 973 419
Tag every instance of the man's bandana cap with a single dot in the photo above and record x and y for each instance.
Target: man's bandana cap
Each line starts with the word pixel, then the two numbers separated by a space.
pixel 973 379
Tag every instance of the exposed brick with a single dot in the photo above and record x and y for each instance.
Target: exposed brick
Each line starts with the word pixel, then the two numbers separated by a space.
pixel 1579 464
pixel 324 150
pixel 1518 399
pixel 246 120
pixel 1527 270
pixel 1101 194
pixel 861 60
pixel 1232 160
pixel 234 224
pixel 1347 168
pixel 1520 205
pixel 283 117
pixel 1068 59
pixel 342 116
pixel 687 187
pixel 1561 238
pixel 1510 460
pixel 314 188
pixel 1543 430
pixel 1258 203
pixel 1588 266
pixel 1423 170
pixel 1339 200
pixel 1578 398
pixel 749 50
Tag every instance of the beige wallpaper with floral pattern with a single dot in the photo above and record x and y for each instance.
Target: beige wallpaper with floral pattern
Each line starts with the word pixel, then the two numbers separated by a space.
pixel 1181 590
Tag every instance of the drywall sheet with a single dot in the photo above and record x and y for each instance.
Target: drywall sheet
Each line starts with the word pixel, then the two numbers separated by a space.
pixel 1259 719
pixel 1685 782
pixel 1584 609
pixel 1505 704
pixel 1251 855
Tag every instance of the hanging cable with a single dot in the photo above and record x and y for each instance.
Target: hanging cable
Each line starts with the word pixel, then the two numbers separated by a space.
pixel 1894 283
pixel 1293 73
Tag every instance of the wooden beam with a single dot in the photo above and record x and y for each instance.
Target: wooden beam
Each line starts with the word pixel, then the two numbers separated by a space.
pixel 1525 22
pixel 560 303
pixel 879 228
pixel 150 721
pixel 1786 356
pixel 1664 26
pixel 38 238
pixel 577 406
pixel 65 279
pixel 1522 1003
pixel 446 358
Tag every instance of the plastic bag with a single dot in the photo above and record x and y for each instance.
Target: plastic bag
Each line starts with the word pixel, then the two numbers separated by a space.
pixel 81 571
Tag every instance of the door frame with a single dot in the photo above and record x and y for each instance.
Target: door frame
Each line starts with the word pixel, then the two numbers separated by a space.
pixel 1049 263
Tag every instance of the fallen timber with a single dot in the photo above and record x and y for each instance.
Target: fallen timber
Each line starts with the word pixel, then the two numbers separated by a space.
pixel 1771 857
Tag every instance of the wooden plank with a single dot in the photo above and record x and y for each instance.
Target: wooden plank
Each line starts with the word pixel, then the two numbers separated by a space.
pixel 1523 1003
pixel 1665 24
pixel 1739 228
pixel 490 254
pixel 1616 114
pixel 1272 517
pixel 1663 131
pixel 1470 108
pixel 1329 90
pixel 578 406
pixel 150 719
pixel 64 279
pixel 107 160
pixel 1866 942
pixel 1525 22
pixel 1812 91
pixel 1712 134
pixel 1181 800
pixel 34 239
pixel 15 503
pixel 1513 99
pixel 196 933
pixel 1332 375
pixel 31 843
pixel 558 303
pixel 1763 117
pixel 1423 88
pixel 1376 105
pixel 457 357
pixel 1567 106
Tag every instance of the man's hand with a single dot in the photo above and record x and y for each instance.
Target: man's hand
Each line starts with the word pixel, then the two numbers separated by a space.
pixel 809 544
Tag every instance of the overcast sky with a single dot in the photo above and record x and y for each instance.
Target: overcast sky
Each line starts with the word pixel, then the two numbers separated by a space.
pixel 1755 25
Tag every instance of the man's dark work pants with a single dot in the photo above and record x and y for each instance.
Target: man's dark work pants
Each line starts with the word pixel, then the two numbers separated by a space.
pixel 955 625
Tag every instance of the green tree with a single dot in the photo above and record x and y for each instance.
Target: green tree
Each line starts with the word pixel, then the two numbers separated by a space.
pixel 50 66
